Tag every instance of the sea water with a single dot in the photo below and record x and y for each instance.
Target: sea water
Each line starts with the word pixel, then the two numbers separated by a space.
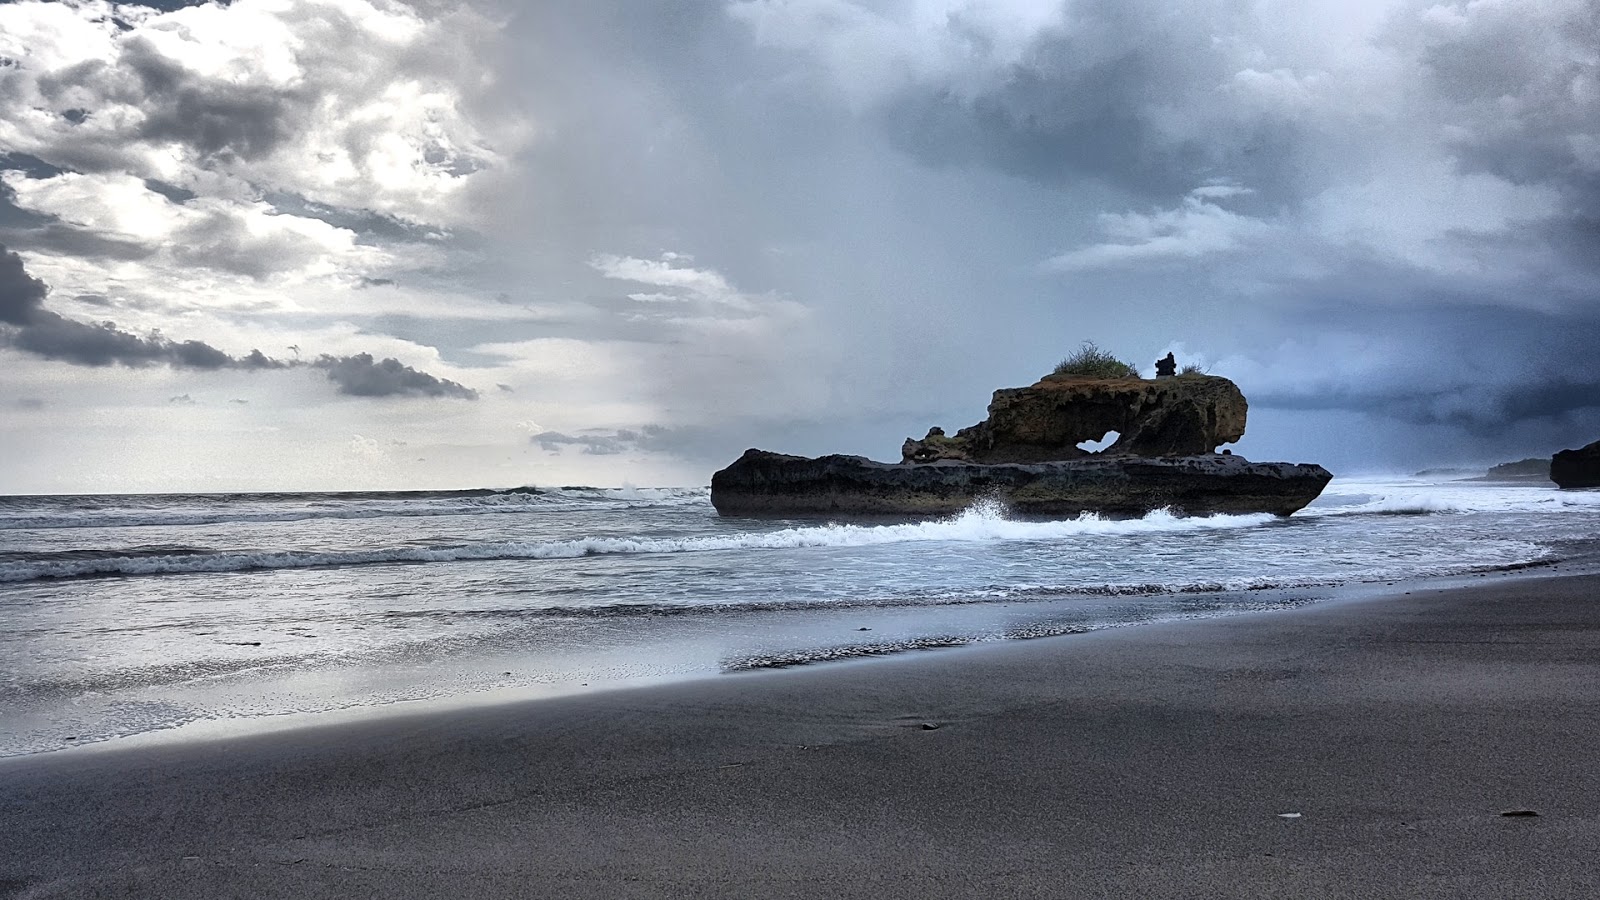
pixel 127 615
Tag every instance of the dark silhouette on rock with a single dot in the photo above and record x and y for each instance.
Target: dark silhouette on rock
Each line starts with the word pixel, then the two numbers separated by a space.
pixel 1166 366
pixel 1026 454
pixel 1578 468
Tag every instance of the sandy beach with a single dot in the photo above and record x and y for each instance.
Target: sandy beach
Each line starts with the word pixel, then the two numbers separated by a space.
pixel 1364 747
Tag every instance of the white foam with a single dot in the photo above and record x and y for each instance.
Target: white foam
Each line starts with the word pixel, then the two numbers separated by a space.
pixel 1413 497
pixel 985 521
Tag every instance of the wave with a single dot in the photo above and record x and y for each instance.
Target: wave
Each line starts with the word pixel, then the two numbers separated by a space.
pixel 128 512
pixel 986 521
pixel 1407 498
pixel 1390 506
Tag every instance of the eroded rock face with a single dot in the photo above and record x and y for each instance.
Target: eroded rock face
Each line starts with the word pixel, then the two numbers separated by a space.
pixel 764 484
pixel 1026 455
pixel 1189 415
pixel 1578 468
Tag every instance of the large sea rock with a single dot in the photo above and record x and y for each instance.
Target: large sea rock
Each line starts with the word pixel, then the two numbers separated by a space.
pixel 1578 468
pixel 1182 416
pixel 1026 454
pixel 767 484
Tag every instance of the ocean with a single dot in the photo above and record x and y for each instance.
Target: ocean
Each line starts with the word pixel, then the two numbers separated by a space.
pixel 149 616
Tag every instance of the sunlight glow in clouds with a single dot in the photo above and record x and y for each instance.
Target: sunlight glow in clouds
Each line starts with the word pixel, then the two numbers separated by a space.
pixel 892 209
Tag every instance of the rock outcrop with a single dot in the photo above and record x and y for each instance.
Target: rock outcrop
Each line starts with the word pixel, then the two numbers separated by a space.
pixel 1533 469
pixel 1026 453
pixel 1183 416
pixel 767 484
pixel 1578 468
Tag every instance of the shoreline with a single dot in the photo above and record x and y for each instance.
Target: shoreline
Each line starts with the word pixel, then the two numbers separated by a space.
pixel 1148 761
pixel 834 635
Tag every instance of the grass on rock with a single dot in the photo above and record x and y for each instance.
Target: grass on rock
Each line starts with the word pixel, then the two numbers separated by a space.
pixel 1092 362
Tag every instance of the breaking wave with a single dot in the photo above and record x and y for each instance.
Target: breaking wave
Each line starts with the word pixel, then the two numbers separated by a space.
pixel 984 522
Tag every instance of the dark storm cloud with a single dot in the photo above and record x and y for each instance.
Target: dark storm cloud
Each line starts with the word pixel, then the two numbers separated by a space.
pixel 1478 408
pixel 1157 98
pixel 96 344
pixel 1481 369
pixel 21 295
pixel 31 166
pixel 215 117
pixel 32 328
pixel 172 192
pixel 363 376
pixel 1095 100
pixel 223 241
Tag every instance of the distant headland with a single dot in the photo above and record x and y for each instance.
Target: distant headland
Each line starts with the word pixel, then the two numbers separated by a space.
pixel 1027 454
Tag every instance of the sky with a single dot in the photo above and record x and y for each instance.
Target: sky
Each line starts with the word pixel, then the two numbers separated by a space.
pixel 372 244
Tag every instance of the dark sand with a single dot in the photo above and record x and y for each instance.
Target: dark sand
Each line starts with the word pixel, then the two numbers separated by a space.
pixel 1141 762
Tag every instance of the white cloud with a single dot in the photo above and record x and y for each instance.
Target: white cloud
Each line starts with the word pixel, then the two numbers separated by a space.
pixel 704 284
pixel 352 103
pixel 245 238
pixel 707 292
pixel 1198 227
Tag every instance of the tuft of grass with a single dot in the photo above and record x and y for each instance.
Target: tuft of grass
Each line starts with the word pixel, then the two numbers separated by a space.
pixel 1192 369
pixel 1092 362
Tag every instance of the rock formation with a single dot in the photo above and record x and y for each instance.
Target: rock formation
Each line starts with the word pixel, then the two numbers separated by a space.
pixel 774 485
pixel 1026 453
pixel 1578 468
pixel 1534 469
pixel 1180 416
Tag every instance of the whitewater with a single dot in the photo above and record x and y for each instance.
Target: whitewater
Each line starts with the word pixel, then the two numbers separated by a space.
pixel 145 615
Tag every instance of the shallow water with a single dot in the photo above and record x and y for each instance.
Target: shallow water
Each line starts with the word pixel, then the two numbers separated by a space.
pixel 133 614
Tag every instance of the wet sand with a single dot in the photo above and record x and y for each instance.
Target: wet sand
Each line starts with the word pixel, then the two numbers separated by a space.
pixel 1154 761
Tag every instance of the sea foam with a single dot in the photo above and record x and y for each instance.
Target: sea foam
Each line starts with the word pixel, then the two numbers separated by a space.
pixel 984 522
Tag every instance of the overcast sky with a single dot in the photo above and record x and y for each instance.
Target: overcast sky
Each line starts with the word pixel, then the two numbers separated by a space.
pixel 325 244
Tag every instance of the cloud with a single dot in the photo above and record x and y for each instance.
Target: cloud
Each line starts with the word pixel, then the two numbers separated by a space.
pixel 353 104
pixel 687 295
pixel 1379 212
pixel 362 376
pixel 21 295
pixel 1484 409
pixel 1200 226
pixel 119 216
pixel 689 441
pixel 1483 370
pixel 1423 132
pixel 26 325
pixel 594 443
pixel 103 344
